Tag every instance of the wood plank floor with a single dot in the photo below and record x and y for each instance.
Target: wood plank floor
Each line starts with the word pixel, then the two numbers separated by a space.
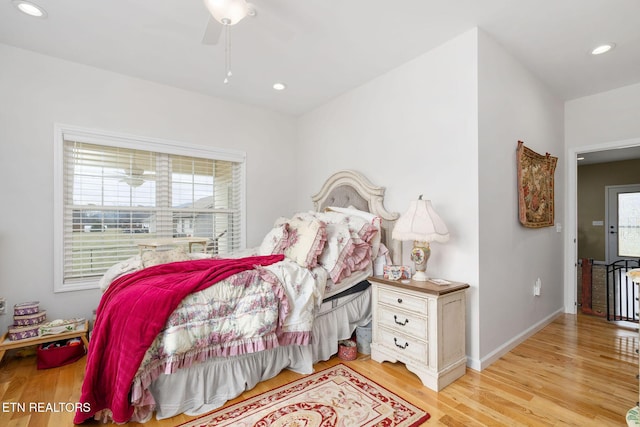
pixel 577 371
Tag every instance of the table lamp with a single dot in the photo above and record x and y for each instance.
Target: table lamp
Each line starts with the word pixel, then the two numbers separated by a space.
pixel 421 224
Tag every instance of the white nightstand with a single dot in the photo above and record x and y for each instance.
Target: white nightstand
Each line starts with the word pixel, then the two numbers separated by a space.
pixel 421 324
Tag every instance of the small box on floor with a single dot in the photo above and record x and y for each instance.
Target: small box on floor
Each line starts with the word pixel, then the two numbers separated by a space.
pixel 347 350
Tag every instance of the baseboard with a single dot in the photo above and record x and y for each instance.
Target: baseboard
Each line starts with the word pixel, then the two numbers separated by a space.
pixel 480 364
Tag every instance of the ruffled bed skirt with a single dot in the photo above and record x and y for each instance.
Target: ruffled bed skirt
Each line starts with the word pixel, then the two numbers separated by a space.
pixel 337 320
pixel 207 386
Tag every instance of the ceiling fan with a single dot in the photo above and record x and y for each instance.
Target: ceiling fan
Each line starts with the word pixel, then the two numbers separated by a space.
pixel 225 13
pixel 135 176
pixel 230 12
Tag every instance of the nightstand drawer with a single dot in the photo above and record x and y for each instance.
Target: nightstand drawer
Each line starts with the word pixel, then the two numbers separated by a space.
pixel 403 300
pixel 404 346
pixel 403 321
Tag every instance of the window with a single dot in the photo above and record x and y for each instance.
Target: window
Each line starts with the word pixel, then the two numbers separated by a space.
pixel 629 224
pixel 114 192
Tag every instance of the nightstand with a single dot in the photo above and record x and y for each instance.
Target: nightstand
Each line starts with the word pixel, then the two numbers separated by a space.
pixel 421 324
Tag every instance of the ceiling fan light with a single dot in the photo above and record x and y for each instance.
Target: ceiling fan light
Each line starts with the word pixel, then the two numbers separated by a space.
pixel 227 12
pixel 133 181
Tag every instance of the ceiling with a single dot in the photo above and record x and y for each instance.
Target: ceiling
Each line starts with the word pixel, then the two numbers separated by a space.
pixel 323 48
pixel 606 156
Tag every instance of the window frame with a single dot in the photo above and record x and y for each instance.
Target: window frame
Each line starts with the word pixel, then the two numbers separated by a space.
pixel 114 139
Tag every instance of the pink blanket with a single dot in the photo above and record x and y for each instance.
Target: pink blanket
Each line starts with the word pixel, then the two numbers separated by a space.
pixel 132 311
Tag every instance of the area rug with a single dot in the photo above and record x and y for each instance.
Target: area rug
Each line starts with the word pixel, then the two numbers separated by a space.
pixel 337 396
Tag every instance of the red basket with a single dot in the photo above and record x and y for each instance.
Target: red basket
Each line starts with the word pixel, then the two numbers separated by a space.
pixel 52 357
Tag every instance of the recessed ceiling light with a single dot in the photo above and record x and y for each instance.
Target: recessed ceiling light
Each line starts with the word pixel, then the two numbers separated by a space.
pixel 580 158
pixel 603 48
pixel 279 86
pixel 30 8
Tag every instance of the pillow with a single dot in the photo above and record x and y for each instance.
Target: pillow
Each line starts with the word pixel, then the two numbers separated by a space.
pixel 305 240
pixel 353 211
pixel 121 268
pixel 372 234
pixel 199 255
pixel 151 258
pixel 344 253
pixel 275 241
pixel 348 248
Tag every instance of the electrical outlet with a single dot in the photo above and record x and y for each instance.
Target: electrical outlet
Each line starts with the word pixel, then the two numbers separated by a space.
pixel 3 306
pixel 537 287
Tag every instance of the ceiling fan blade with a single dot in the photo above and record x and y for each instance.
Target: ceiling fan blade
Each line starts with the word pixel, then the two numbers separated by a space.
pixel 212 32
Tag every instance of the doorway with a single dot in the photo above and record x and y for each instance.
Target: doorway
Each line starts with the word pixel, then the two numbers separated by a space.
pixel 622 221
pixel 571 210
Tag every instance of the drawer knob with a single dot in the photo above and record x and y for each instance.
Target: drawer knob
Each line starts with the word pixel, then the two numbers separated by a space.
pixel 406 344
pixel 395 319
pixel 399 300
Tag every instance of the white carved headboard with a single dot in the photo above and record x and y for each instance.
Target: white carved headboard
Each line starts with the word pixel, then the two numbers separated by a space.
pixel 350 188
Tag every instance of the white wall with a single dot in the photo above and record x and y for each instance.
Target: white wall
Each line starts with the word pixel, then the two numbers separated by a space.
pixel 514 105
pixel 603 118
pixel 38 91
pixel 414 131
pixel 446 125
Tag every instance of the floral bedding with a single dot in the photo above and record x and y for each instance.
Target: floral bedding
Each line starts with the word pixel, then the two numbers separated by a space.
pixel 248 312
pixel 132 313
pixel 257 309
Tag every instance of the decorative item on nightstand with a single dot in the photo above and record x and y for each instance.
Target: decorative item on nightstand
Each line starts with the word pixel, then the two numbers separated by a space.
pixel 421 224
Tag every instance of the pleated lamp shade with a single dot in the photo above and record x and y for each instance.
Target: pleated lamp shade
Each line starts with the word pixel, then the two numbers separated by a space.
pixel 421 223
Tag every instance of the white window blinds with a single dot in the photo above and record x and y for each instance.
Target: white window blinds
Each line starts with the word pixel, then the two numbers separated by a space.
pixel 115 197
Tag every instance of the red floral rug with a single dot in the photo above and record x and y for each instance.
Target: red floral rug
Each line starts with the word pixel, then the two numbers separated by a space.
pixel 337 396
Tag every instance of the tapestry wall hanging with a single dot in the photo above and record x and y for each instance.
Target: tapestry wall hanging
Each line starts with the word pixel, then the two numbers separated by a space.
pixel 535 187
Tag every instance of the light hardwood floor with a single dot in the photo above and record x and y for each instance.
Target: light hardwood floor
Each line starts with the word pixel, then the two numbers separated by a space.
pixel 578 371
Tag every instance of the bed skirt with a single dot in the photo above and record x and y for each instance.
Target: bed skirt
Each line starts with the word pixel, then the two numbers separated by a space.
pixel 207 386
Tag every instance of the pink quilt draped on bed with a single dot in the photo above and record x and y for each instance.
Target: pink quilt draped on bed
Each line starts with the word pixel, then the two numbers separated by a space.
pixel 132 311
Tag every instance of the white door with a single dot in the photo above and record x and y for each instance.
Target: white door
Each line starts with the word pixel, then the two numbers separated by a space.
pixel 623 243
pixel 623 222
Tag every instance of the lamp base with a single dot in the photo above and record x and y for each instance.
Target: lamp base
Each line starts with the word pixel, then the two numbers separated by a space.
pixel 420 255
pixel 420 276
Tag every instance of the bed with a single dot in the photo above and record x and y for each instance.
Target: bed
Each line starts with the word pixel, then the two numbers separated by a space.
pixel 318 300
